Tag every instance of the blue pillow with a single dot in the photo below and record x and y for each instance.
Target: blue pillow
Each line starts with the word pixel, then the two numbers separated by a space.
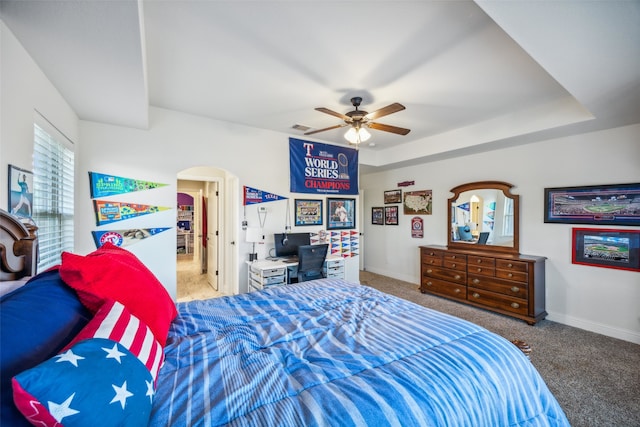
pixel 97 382
pixel 36 322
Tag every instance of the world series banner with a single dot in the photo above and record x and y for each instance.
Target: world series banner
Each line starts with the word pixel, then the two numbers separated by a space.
pixel 102 185
pixel 108 211
pixel 124 238
pixel 322 168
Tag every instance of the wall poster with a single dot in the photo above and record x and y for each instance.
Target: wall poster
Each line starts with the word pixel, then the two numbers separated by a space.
pixel 20 192
pixel 322 168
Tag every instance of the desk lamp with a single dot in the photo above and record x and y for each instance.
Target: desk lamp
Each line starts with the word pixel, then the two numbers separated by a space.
pixel 254 235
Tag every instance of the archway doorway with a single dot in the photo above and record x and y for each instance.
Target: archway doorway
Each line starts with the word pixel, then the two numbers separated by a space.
pixel 205 248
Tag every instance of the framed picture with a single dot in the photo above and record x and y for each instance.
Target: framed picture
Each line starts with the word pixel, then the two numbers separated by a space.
pixel 417 202
pixel 341 214
pixel 377 216
pixel 308 212
pixel 393 196
pixel 20 192
pixel 391 215
pixel 596 204
pixel 610 248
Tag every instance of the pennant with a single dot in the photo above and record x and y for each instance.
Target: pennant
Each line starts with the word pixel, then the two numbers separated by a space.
pixel 124 238
pixel 465 207
pixel 102 185
pixel 108 212
pixel 253 195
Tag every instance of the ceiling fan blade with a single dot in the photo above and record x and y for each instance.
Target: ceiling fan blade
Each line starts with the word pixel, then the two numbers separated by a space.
pixel 322 130
pixel 388 128
pixel 333 113
pixel 389 109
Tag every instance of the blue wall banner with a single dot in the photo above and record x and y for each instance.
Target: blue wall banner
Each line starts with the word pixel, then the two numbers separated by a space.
pixel 253 195
pixel 322 168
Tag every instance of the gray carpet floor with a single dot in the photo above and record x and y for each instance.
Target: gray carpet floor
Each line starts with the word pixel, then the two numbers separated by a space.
pixel 596 379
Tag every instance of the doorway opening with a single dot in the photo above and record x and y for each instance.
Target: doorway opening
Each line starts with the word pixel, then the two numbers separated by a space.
pixel 205 224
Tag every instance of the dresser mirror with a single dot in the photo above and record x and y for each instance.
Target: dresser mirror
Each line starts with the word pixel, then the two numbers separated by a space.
pixel 484 216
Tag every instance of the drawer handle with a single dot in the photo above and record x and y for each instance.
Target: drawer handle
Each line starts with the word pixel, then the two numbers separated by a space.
pixel 457 277
pixel 432 253
pixel 510 274
pixel 476 281
pixel 510 265
pixel 515 305
pixel 476 295
pixel 429 271
pixel 453 265
pixel 453 257
pixel 479 261
pixel 478 269
pixel 431 261
pixel 428 283
pixel 456 290
pixel 515 289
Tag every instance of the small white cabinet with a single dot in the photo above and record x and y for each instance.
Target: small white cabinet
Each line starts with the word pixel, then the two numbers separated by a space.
pixel 334 268
pixel 265 273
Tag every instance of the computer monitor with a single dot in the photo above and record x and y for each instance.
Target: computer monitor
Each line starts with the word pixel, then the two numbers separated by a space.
pixel 483 237
pixel 287 244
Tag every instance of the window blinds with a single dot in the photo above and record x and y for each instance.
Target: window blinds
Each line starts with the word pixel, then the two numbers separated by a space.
pixel 53 185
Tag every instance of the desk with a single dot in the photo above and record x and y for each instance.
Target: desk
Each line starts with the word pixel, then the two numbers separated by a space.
pixel 265 273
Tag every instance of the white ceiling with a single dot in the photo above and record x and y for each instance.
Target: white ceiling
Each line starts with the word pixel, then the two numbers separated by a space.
pixel 473 76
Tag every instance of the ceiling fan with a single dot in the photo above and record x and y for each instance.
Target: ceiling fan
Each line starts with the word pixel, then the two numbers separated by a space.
pixel 359 119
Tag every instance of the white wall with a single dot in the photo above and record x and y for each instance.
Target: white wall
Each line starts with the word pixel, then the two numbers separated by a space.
pixel 175 142
pixel 24 90
pixel 599 299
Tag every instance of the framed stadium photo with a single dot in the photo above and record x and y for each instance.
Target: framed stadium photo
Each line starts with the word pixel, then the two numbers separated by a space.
pixel 596 205
pixel 308 212
pixel 610 248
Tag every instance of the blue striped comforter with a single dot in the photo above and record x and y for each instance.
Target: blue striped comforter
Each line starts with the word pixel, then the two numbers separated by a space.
pixel 329 353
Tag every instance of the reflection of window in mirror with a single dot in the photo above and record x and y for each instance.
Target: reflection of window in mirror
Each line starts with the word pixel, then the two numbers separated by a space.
pixel 476 215
pixel 507 229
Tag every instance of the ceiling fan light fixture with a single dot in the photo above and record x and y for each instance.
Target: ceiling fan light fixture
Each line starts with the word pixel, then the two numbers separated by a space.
pixel 357 135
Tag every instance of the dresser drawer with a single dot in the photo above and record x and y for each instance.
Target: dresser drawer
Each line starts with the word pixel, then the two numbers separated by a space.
pixel 431 257
pixel 502 302
pixel 454 257
pixel 504 264
pixel 455 264
pixel 456 276
pixel 430 260
pixel 505 287
pixel 484 270
pixel 518 276
pixel 481 261
pixel 441 287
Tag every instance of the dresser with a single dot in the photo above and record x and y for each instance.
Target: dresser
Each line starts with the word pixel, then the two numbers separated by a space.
pixel 509 284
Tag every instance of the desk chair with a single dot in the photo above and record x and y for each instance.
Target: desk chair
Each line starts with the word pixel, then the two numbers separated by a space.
pixel 310 262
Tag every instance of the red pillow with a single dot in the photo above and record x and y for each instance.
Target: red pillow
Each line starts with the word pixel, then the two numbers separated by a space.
pixel 112 272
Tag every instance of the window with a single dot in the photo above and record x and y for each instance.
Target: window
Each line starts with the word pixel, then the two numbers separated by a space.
pixel 507 227
pixel 53 178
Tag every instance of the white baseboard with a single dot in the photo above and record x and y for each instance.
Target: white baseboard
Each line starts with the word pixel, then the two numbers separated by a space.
pixel 599 328
pixel 403 277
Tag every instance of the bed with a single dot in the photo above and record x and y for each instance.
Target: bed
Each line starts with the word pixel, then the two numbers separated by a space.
pixel 18 251
pixel 318 353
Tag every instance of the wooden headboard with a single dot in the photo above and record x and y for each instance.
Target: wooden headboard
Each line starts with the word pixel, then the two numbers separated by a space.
pixel 18 248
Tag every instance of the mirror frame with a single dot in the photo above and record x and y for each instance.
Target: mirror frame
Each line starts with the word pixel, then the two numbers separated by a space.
pixel 487 185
